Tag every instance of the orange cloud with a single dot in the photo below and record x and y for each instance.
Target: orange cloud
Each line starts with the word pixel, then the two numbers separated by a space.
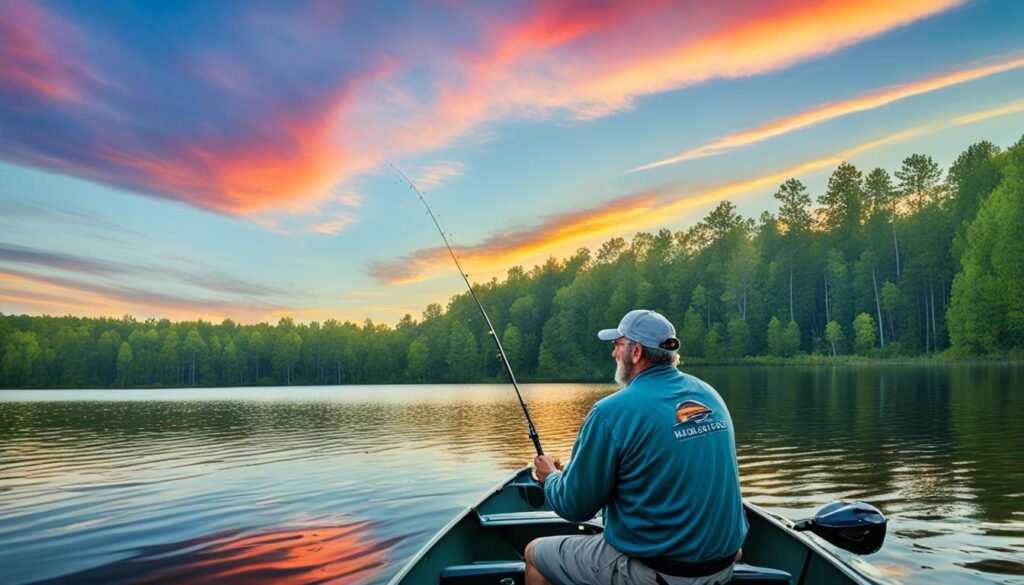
pixel 834 110
pixel 299 162
pixel 774 37
pixel 630 213
pixel 591 62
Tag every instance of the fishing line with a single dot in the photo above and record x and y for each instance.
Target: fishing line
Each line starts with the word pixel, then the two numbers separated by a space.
pixel 490 328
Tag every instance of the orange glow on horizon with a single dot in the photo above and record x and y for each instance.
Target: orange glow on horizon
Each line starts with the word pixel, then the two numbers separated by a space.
pixel 24 291
pixel 506 250
pixel 633 213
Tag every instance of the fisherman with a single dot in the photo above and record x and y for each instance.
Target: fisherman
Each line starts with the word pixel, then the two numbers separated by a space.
pixel 659 458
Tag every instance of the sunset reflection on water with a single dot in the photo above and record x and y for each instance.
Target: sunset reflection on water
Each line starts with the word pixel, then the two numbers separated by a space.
pixel 343 554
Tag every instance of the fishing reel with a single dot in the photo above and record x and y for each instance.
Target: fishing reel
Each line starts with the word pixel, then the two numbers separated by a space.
pixel 528 488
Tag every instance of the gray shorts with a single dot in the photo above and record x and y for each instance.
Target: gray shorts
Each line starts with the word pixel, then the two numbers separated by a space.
pixel 590 560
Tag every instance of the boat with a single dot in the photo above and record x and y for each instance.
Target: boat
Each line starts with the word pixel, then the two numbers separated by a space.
pixel 485 543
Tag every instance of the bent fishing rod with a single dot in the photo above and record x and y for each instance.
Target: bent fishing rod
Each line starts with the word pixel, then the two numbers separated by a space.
pixel 490 327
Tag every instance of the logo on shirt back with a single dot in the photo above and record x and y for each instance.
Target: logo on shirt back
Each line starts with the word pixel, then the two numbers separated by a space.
pixel 694 419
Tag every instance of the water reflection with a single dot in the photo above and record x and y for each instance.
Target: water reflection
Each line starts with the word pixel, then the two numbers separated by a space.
pixel 338 554
pixel 101 480
pixel 938 448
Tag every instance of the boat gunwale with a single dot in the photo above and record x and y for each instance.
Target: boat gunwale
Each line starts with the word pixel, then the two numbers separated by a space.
pixel 784 524
pixel 440 534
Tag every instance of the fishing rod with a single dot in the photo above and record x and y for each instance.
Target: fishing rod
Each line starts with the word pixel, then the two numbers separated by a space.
pixel 490 327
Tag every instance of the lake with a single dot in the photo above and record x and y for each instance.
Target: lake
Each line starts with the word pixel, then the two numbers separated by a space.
pixel 344 484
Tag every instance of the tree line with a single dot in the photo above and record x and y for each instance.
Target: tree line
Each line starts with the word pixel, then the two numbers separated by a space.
pixel 909 263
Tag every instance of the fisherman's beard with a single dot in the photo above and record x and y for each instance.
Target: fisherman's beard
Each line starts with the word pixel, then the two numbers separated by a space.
pixel 623 372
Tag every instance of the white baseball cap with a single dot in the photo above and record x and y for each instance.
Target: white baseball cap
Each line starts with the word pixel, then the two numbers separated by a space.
pixel 648 328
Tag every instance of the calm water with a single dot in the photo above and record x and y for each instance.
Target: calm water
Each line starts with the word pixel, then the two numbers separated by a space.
pixel 344 484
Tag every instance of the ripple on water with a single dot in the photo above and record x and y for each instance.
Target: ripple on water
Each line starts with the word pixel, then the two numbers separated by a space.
pixel 144 485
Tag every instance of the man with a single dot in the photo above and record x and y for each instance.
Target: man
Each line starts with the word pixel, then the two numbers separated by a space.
pixel 659 457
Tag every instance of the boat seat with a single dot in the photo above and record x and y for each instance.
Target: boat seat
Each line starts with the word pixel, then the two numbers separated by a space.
pixel 486 573
pixel 744 573
pixel 492 573
pixel 523 518
pixel 516 518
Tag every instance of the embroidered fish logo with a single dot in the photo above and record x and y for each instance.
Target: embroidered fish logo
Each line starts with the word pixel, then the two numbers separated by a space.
pixel 692 411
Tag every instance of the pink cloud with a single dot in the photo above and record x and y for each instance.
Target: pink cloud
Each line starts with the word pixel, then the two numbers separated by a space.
pixel 31 66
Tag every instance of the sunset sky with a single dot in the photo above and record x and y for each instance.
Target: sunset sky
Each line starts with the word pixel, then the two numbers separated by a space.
pixel 233 159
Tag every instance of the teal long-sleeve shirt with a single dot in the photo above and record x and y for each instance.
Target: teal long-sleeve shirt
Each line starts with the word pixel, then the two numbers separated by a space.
pixel 659 457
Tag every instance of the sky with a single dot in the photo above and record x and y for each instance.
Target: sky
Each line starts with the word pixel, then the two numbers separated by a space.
pixel 214 160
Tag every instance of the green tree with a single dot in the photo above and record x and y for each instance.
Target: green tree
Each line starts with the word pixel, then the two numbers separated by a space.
pixel 417 367
pixel 212 370
pixel 526 316
pixel 863 332
pixel 702 300
pixel 22 359
pixel 791 339
pixel 286 354
pixel 891 302
pixel 512 342
pixel 722 221
pixel 868 284
pixel 776 345
pixel 838 288
pixel 834 336
pixel 72 347
pixel 739 337
pixel 739 276
pixel 194 349
pixel 692 340
pixel 124 364
pixel 105 356
pixel 987 308
pixel 257 349
pixel 170 361
pixel 919 180
pixel 972 176
pixel 232 363
pixel 843 205
pixel 463 354
pixel 795 220
pixel 883 201
pixel 714 343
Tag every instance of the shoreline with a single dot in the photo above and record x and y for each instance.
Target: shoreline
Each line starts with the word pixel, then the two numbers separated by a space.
pixel 813 361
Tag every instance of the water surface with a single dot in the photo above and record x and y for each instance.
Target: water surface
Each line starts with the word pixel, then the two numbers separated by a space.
pixel 344 484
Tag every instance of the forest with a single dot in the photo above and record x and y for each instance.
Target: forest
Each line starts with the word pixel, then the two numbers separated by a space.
pixel 914 263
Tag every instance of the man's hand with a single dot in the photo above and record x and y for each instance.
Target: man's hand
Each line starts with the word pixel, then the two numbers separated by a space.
pixel 545 465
